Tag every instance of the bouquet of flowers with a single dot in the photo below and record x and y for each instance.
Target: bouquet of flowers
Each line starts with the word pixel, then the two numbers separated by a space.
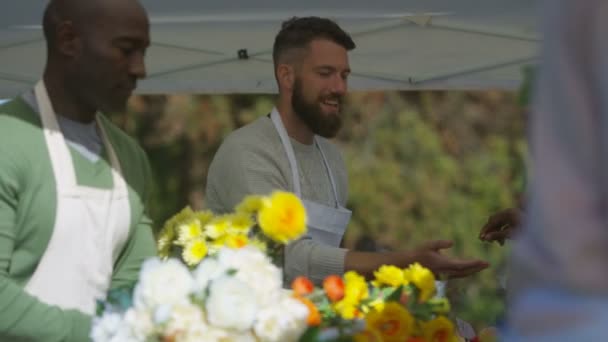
pixel 266 222
pixel 217 279
pixel 227 287
pixel 399 305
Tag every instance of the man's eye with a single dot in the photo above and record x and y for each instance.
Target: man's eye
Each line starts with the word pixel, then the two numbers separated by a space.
pixel 127 50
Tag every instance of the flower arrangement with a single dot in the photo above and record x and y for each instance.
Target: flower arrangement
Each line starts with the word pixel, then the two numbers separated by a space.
pixel 266 222
pixel 235 295
pixel 399 305
pixel 217 279
pixel 227 287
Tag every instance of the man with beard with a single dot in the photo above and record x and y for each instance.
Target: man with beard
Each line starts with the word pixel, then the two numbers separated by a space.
pixel 73 186
pixel 289 150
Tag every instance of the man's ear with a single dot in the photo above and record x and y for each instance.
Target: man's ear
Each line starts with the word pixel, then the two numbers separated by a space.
pixel 286 76
pixel 68 40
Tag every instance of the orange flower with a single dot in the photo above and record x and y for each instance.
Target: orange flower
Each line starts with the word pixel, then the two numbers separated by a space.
pixel 302 286
pixel 314 317
pixel 334 287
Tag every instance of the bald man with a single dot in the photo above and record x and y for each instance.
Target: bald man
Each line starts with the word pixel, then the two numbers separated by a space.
pixel 73 187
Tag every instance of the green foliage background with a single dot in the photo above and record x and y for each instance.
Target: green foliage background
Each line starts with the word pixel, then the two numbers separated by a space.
pixel 422 165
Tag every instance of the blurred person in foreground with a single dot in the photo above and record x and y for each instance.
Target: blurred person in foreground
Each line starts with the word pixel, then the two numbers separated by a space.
pixel 558 286
pixel 73 186
pixel 289 149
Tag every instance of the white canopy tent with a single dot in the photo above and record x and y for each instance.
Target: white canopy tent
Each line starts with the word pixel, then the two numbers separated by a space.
pixel 401 44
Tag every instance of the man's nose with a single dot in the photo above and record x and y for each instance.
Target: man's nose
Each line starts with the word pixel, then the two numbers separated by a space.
pixel 137 66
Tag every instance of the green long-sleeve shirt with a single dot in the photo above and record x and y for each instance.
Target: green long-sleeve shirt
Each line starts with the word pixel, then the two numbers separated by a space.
pixel 27 215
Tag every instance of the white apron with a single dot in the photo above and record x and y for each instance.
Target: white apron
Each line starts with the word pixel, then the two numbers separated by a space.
pixel 91 226
pixel 325 224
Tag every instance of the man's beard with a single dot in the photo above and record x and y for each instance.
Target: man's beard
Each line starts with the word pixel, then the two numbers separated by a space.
pixel 325 125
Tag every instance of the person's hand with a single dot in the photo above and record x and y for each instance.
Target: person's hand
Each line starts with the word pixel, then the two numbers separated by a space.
pixel 429 255
pixel 501 225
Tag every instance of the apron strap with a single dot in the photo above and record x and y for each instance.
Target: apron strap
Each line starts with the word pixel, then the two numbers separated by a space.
pixel 293 164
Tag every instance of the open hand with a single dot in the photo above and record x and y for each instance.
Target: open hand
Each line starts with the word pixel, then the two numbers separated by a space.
pixel 429 255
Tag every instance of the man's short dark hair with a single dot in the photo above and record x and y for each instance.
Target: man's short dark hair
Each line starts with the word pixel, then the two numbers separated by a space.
pixel 297 33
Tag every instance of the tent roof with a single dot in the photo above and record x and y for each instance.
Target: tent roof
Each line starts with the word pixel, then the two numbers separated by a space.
pixel 401 44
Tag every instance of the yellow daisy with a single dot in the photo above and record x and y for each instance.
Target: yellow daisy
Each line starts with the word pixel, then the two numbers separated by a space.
pixel 250 205
pixel 241 223
pixel 194 252
pixel 188 231
pixel 236 241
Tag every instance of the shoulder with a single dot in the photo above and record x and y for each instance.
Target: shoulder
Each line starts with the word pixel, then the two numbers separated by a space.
pixel 250 143
pixel 18 120
pixel 125 145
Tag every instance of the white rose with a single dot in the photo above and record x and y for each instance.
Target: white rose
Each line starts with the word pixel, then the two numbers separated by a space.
pixel 140 322
pixel 231 304
pixel 285 321
pixel 184 318
pixel 206 271
pixel 163 283
pixel 255 269
pixel 111 327
pixel 105 327
pixel 205 333
pixel 240 337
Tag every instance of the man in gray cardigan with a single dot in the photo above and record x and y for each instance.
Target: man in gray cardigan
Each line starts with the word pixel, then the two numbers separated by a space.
pixel 289 150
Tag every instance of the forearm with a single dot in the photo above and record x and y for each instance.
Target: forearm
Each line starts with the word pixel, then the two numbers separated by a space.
pixel 25 318
pixel 365 263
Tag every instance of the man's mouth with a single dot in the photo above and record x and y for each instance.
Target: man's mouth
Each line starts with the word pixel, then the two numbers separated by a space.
pixel 331 103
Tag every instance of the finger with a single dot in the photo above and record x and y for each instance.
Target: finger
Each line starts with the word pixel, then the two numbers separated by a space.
pixel 469 269
pixel 497 236
pixel 493 225
pixel 438 245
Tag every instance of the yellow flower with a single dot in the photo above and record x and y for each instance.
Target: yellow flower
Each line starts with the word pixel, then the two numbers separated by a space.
pixel 236 241
pixel 217 227
pixel 355 287
pixel 194 251
pixel 241 223
pixel 368 335
pixel 422 278
pixel 164 242
pixel 282 217
pixel 376 304
pixel 347 309
pixel 188 231
pixel 250 205
pixel 355 290
pixel 394 322
pixel 167 234
pixel 439 329
pixel 203 217
pixel 389 276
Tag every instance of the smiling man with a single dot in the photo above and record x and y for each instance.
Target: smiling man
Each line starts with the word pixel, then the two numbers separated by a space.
pixel 289 150
pixel 73 187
